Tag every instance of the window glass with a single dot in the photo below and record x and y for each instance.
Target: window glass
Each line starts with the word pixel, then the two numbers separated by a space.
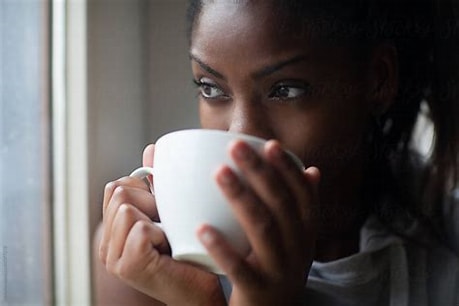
pixel 24 154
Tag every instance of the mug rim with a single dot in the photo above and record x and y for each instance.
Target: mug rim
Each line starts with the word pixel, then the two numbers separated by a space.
pixel 213 131
pixel 229 134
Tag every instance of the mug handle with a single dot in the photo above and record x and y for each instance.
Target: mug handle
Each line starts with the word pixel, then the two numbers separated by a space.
pixel 142 173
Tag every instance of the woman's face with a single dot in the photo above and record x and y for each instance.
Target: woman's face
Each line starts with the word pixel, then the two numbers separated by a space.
pixel 257 77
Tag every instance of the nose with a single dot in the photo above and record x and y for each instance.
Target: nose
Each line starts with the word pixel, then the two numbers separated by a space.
pixel 251 119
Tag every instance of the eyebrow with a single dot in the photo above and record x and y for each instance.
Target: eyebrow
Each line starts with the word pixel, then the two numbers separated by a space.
pixel 257 75
pixel 278 66
pixel 207 68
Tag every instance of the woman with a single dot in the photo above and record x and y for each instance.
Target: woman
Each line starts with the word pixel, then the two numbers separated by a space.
pixel 340 84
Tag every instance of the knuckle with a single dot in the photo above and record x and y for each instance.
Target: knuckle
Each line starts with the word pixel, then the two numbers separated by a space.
pixel 103 253
pixel 255 210
pixel 125 211
pixel 242 273
pixel 123 268
pixel 238 269
pixel 111 267
pixel 236 190
pixel 110 186
pixel 108 195
pixel 265 227
pixel 124 271
pixel 258 166
pixel 121 194
pixel 140 231
pixel 141 227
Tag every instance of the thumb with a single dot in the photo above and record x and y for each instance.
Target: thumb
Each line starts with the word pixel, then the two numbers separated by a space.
pixel 147 159
pixel 313 176
pixel 148 154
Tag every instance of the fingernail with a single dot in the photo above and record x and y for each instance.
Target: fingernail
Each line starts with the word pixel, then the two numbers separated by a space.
pixel 277 152
pixel 242 152
pixel 227 177
pixel 206 236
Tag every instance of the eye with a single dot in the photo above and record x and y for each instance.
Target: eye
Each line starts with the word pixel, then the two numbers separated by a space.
pixel 209 90
pixel 284 91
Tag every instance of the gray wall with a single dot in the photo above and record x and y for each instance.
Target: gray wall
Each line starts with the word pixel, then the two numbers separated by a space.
pixel 139 84
pixel 172 99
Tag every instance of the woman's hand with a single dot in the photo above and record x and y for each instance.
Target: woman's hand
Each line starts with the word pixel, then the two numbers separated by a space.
pixel 135 250
pixel 275 207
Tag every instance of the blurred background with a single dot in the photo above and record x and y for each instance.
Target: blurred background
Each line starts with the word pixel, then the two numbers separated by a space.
pixel 85 85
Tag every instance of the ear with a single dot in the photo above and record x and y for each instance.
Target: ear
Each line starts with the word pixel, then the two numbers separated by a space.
pixel 383 75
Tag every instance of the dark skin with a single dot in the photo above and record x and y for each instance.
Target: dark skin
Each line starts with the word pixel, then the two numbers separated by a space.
pixel 258 80
pixel 328 111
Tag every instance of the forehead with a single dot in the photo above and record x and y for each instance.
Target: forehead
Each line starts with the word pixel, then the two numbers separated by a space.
pixel 256 26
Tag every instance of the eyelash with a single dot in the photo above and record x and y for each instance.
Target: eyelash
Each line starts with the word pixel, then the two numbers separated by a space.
pixel 200 85
pixel 304 87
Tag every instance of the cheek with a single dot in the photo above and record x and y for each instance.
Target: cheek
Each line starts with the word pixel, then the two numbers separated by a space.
pixel 212 117
pixel 205 117
pixel 329 137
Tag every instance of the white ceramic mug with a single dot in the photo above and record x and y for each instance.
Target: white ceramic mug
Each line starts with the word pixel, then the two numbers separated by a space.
pixel 187 195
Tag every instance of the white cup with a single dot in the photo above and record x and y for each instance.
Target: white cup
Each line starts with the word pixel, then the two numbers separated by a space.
pixel 187 195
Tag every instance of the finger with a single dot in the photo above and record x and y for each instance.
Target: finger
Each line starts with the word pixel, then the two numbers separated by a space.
pixel 108 195
pixel 265 181
pixel 143 200
pixel 126 216
pixel 161 276
pixel 124 181
pixel 304 185
pixel 122 223
pixel 255 218
pixel 312 175
pixel 304 191
pixel 229 261
pixel 144 242
pixel 150 232
pixel 310 213
pixel 140 198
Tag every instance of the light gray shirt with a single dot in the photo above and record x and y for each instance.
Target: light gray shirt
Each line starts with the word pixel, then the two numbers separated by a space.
pixel 393 270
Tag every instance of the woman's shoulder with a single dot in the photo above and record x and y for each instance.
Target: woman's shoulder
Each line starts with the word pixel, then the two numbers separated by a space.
pixel 432 260
pixel 419 257
pixel 399 262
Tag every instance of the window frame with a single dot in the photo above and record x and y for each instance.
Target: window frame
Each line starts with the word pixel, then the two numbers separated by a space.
pixel 72 281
